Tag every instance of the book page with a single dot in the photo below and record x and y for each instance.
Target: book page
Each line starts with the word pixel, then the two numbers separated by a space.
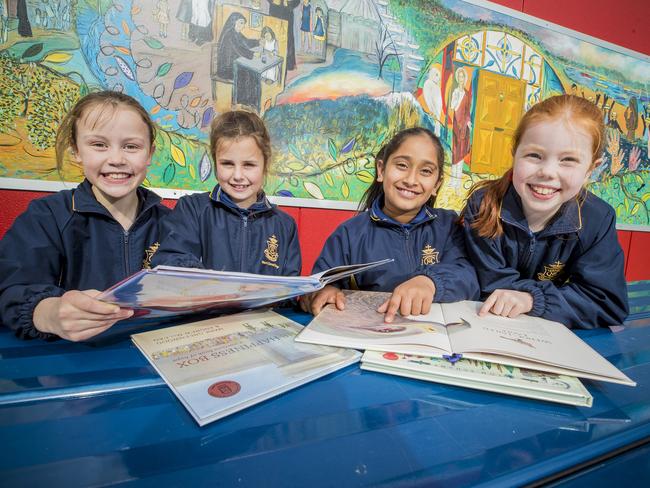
pixel 530 338
pixel 360 326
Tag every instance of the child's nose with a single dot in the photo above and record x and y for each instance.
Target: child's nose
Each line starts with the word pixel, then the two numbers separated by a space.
pixel 115 156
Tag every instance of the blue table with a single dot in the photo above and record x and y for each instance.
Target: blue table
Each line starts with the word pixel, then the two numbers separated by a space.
pixel 351 428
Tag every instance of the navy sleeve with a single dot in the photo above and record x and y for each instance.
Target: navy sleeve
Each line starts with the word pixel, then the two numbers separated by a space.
pixel 454 276
pixel 31 263
pixel 596 293
pixel 180 238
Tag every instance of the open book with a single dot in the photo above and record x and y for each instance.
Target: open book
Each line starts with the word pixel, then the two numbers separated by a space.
pixel 222 365
pixel 481 375
pixel 456 329
pixel 169 290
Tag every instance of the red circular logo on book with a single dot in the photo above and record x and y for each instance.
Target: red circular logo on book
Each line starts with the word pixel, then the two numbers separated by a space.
pixel 391 356
pixel 223 389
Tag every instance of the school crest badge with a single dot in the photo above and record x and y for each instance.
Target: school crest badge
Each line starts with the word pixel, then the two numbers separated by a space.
pixel 271 252
pixel 429 255
pixel 551 271
pixel 148 255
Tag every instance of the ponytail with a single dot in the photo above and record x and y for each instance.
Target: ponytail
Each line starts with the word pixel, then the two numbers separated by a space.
pixel 487 223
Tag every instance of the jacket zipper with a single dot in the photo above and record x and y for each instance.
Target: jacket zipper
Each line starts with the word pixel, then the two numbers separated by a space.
pixel 244 242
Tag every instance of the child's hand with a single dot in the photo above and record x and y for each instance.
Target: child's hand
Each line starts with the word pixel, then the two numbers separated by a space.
pixel 77 315
pixel 507 303
pixel 413 297
pixel 314 302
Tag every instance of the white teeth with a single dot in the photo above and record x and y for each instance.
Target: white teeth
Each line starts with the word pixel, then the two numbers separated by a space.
pixel 543 190
pixel 117 176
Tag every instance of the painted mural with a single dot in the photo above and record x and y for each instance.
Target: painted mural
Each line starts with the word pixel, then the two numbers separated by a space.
pixel 333 80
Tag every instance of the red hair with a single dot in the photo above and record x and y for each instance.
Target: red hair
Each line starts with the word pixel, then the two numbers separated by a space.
pixel 574 110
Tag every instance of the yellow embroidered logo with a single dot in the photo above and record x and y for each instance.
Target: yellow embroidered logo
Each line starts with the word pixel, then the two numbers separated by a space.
pixel 551 271
pixel 271 252
pixel 429 255
pixel 148 255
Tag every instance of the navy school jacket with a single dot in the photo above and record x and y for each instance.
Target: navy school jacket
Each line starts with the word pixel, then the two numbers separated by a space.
pixel 69 241
pixel 573 268
pixel 431 245
pixel 208 230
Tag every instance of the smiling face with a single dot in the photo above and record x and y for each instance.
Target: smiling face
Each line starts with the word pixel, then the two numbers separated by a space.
pixel 240 169
pixel 409 177
pixel 114 148
pixel 551 164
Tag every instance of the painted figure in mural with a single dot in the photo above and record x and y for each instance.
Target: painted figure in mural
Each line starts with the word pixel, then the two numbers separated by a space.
pixel 305 26
pixel 184 16
pixel 462 125
pixel 269 45
pixel 319 31
pixel 542 244
pixel 631 116
pixel 398 213
pixel 200 30
pixel 431 91
pixel 161 15
pixel 24 26
pixel 233 44
pixel 283 9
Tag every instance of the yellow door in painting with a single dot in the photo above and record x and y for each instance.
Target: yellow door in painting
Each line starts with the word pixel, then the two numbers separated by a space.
pixel 499 106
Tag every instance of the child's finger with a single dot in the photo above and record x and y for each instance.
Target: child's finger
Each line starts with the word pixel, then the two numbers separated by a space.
pixel 393 307
pixel 406 306
pixel 487 305
pixel 339 300
pixel 383 307
pixel 416 307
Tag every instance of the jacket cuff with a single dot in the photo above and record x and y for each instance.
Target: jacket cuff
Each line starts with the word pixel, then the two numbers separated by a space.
pixel 26 328
pixel 539 300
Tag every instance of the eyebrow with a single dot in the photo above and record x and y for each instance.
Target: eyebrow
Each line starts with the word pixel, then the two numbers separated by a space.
pixel 410 159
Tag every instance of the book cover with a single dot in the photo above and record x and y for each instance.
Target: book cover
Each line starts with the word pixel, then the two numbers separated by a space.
pixel 456 328
pixel 167 290
pixel 222 365
pixel 482 375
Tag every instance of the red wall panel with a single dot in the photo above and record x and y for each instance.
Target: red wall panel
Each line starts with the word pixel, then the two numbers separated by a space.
pixel 638 260
pixel 315 226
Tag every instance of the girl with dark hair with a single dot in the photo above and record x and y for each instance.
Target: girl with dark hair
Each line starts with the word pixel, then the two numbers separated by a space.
pixel 398 221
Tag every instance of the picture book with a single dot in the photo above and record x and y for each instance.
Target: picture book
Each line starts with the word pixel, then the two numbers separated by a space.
pixel 222 365
pixel 456 330
pixel 482 375
pixel 168 290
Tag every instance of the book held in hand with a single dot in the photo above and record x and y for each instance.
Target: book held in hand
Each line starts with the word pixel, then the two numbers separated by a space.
pixel 168 290
pixel 481 375
pixel 222 365
pixel 457 329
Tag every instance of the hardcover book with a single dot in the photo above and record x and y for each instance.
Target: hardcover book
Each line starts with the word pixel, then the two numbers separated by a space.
pixel 455 330
pixel 168 290
pixel 482 375
pixel 222 365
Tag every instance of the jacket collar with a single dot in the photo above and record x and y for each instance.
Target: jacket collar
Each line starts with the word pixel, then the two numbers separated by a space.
pixel 568 218
pixel 425 214
pixel 84 200
pixel 219 196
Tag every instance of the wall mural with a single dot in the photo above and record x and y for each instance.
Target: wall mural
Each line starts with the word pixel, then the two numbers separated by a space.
pixel 333 80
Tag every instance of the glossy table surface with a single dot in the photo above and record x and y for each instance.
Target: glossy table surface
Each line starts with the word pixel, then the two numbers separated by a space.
pixel 97 414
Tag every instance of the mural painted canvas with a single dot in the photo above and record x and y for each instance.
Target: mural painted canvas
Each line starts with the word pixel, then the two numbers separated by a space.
pixel 333 80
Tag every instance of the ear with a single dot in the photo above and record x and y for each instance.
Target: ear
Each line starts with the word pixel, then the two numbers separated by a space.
pixel 380 170
pixel 75 154
pixel 437 187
